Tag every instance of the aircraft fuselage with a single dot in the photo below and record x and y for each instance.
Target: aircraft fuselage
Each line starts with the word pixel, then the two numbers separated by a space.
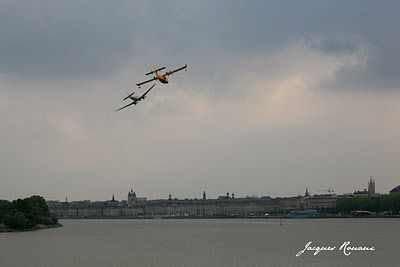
pixel 162 79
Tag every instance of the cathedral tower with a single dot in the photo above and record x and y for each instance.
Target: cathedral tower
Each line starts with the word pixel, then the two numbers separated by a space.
pixel 371 186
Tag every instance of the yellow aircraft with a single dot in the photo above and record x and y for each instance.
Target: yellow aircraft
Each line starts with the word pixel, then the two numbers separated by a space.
pixel 161 77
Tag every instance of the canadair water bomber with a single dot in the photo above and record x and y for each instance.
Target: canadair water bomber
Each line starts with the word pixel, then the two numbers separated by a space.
pixel 161 77
pixel 134 99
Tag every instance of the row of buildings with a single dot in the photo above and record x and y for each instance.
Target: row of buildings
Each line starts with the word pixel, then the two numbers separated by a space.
pixel 223 206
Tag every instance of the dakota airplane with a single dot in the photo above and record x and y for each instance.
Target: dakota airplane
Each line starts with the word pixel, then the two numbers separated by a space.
pixel 161 77
pixel 135 100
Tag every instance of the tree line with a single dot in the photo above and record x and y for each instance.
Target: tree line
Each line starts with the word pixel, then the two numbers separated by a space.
pixel 27 213
pixel 380 203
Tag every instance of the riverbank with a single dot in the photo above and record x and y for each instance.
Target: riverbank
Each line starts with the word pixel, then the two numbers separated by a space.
pixel 328 216
pixel 4 229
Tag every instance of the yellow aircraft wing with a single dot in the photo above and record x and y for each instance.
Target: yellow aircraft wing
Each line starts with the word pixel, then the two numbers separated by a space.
pixel 153 79
pixel 173 71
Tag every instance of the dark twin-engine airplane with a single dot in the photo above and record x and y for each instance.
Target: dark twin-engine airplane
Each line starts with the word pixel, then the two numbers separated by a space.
pixel 134 99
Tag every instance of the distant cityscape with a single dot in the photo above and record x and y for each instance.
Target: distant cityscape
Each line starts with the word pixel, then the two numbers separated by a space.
pixel 224 206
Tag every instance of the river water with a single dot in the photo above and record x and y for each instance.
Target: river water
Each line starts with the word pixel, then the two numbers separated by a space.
pixel 212 242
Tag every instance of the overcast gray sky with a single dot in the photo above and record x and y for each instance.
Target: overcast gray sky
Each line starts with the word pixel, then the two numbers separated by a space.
pixel 278 96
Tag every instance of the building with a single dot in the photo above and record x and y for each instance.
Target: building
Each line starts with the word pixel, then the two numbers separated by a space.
pixel 133 199
pixel 395 190
pixel 327 201
pixel 224 197
pixel 361 193
pixel 226 206
pixel 306 194
pixel 371 186
pixel 369 191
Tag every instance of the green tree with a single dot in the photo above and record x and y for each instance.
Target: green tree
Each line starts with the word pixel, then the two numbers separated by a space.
pixel 18 221
pixel 26 213
pixel 6 207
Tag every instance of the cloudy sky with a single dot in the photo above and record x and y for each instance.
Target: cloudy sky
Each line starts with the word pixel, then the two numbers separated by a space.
pixel 278 96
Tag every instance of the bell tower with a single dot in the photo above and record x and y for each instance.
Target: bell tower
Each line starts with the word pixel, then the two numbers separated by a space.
pixel 371 186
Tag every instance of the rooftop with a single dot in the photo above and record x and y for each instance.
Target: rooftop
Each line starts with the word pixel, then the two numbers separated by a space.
pixel 395 190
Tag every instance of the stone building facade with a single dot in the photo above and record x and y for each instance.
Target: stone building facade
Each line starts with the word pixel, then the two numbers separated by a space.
pixel 136 207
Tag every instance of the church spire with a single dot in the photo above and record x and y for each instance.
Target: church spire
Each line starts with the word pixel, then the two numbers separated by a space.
pixel 307 194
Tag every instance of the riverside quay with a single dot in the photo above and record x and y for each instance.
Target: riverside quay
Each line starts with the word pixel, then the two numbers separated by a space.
pixel 223 206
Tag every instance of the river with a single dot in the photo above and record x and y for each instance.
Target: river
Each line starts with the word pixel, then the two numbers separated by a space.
pixel 211 242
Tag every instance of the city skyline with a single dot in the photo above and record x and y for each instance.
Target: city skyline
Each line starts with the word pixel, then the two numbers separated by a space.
pixel 369 189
